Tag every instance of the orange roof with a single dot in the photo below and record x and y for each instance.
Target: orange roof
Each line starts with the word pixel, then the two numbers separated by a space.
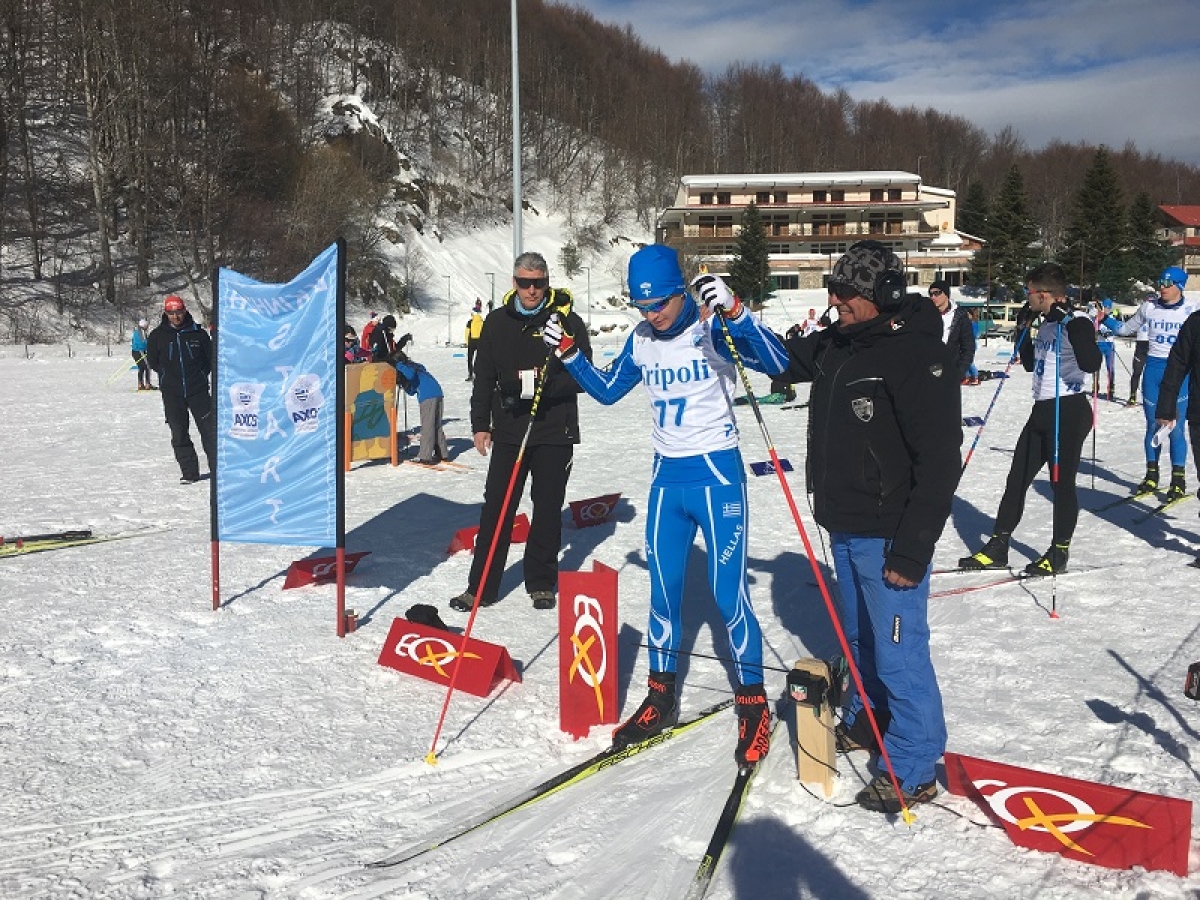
pixel 1183 215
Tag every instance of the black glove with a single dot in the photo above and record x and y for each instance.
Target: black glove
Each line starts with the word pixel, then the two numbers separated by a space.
pixel 1056 313
pixel 1024 317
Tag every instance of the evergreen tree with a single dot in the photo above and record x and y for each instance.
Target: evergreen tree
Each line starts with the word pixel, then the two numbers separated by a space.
pixel 1148 256
pixel 972 218
pixel 1011 231
pixel 750 273
pixel 1096 236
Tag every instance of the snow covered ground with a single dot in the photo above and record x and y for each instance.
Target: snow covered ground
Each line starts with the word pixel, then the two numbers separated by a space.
pixel 153 747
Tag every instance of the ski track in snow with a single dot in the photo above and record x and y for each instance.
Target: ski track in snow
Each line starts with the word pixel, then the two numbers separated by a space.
pixel 155 748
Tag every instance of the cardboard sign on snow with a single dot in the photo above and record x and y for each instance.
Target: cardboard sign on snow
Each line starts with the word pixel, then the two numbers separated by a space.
pixel 1082 820
pixel 593 511
pixel 587 649
pixel 432 654
pixel 319 569
pixel 464 538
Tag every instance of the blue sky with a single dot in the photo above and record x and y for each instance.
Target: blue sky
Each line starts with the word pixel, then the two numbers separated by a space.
pixel 1104 71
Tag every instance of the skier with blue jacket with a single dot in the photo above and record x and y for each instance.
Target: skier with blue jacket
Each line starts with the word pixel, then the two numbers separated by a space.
pixel 678 352
pixel 418 382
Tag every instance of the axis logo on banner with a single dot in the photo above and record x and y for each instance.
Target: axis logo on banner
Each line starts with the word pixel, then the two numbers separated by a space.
pixel 432 654
pixel 587 649
pixel 1083 820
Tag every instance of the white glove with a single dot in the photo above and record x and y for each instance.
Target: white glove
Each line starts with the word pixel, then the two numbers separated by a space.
pixel 554 336
pixel 715 295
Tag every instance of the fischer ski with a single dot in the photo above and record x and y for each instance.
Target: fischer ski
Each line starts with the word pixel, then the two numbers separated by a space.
pixel 599 762
pixel 1161 508
pixel 724 827
pixel 36 545
pixel 1132 498
pixel 48 536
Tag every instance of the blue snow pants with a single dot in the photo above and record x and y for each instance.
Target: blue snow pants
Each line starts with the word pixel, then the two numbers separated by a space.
pixel 719 512
pixel 888 632
pixel 1156 367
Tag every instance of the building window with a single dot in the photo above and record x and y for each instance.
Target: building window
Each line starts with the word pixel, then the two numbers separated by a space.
pixel 820 197
pixel 776 226
pixel 893 194
pixel 762 197
pixel 716 226
pixel 787 282
pixel 779 249
pixel 877 195
pixel 706 199
pixel 724 198
pixel 782 197
pixel 837 196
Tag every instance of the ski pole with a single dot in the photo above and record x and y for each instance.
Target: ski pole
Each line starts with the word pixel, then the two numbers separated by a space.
pixel 124 368
pixel 726 659
pixel 431 757
pixel 995 397
pixel 907 814
pixel 1057 400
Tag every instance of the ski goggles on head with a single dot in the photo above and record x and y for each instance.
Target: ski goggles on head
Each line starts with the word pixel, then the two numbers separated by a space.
pixel 526 283
pixel 653 306
pixel 1167 281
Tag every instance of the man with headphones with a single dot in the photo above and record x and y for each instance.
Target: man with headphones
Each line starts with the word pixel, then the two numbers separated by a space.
pixel 883 463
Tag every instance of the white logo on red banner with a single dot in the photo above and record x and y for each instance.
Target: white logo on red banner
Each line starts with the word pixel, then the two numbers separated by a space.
pixel 587 623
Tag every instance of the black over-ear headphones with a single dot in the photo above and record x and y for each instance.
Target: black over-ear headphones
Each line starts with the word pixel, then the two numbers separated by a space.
pixel 890 285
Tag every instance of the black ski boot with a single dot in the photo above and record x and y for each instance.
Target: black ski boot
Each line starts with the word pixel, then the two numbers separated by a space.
pixel 658 712
pixel 1178 488
pixel 992 555
pixel 754 726
pixel 1052 562
pixel 1150 483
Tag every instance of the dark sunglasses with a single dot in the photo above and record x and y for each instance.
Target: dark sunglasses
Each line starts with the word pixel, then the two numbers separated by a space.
pixel 934 292
pixel 653 306
pixel 540 283
pixel 843 291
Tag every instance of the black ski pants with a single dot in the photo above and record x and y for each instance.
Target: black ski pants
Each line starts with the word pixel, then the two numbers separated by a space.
pixel 200 405
pixel 1141 349
pixel 550 468
pixel 1035 449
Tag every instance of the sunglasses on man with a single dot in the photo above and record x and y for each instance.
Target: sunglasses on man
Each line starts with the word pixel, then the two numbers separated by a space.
pixel 1166 282
pixel 843 291
pixel 934 292
pixel 527 283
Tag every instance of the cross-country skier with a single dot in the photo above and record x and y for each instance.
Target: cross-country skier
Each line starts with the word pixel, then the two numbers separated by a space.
pixel 1061 355
pixel 1162 317
pixel 679 354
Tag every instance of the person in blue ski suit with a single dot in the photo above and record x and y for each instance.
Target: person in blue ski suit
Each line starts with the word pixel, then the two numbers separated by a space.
pixel 417 382
pixel 1106 326
pixel 679 354
pixel 885 433
pixel 137 346
pixel 1162 317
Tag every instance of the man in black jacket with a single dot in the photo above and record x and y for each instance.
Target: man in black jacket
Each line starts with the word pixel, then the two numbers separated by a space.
pixel 958 332
pixel 180 351
pixel 511 360
pixel 883 464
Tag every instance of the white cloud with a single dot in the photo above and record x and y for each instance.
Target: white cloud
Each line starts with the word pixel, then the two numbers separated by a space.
pixel 1100 71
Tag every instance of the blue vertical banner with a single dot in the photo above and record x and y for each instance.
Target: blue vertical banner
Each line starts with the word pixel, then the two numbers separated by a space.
pixel 277 407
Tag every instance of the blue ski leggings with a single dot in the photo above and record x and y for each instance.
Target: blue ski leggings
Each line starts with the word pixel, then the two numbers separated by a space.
pixel 719 512
pixel 1156 366
pixel 888 631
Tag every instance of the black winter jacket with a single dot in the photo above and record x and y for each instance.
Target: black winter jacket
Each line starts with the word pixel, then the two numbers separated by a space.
pixel 961 341
pixel 885 430
pixel 182 357
pixel 510 343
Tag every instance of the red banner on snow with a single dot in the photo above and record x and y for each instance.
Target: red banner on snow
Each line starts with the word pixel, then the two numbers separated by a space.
pixel 432 654
pixel 587 649
pixel 1082 820
pixel 594 511
pixel 464 538
pixel 319 569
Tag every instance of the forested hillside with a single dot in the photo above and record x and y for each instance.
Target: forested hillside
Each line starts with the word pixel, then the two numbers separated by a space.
pixel 140 137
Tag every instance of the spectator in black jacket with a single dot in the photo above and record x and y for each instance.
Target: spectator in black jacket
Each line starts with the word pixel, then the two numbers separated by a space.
pixel 511 359
pixel 180 351
pixel 383 340
pixel 883 464
pixel 1183 365
pixel 958 332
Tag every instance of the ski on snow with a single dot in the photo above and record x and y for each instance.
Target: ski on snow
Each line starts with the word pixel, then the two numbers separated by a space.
pixel 724 827
pixel 48 536
pixel 1132 498
pixel 1161 508
pixel 1006 576
pixel 65 540
pixel 577 773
